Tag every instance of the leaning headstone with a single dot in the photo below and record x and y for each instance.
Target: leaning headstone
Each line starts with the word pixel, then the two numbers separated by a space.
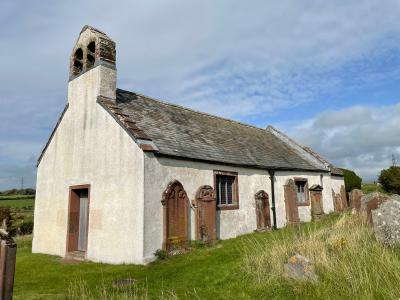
pixel 8 252
pixel 121 283
pixel 370 202
pixel 343 197
pixel 386 222
pixel 355 199
pixel 299 267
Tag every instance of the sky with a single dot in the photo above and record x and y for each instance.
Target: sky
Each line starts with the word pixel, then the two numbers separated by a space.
pixel 325 73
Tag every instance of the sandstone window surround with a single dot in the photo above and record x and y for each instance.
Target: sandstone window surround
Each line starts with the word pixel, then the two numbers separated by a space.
pixel 226 189
pixel 303 197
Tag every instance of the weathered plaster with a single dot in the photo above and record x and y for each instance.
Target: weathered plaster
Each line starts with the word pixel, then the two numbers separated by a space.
pixel 89 147
pixel 159 171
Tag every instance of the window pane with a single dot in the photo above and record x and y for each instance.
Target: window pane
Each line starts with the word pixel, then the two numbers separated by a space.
pixel 224 191
pixel 218 190
pixel 301 195
pixel 229 195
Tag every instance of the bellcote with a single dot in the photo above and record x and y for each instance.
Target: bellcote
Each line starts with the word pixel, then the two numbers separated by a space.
pixel 92 71
pixel 92 48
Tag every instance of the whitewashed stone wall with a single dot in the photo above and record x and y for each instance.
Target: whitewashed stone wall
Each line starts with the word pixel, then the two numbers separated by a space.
pixel 336 184
pixel 230 223
pixel 89 147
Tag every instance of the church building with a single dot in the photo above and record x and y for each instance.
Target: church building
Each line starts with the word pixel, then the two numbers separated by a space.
pixel 123 175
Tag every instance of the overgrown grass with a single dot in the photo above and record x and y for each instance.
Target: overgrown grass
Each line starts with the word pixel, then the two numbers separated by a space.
pixel 348 260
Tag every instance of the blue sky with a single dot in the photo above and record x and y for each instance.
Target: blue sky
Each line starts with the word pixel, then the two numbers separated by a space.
pixel 326 74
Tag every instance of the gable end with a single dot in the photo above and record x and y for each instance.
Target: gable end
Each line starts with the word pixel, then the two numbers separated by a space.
pixel 52 134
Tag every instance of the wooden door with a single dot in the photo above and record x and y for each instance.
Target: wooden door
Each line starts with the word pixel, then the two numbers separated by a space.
pixel 175 203
pixel 83 219
pixel 78 219
pixel 262 210
pixel 292 212
pixel 73 222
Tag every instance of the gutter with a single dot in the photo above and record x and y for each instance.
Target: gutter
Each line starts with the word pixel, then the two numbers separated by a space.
pixel 272 178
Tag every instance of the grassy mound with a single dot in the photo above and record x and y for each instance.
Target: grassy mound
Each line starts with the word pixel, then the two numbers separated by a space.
pixel 348 260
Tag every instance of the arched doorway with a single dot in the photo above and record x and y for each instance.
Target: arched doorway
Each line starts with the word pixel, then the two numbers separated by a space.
pixel 175 202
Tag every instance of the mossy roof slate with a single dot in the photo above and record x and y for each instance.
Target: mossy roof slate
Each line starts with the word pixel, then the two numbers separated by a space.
pixel 184 133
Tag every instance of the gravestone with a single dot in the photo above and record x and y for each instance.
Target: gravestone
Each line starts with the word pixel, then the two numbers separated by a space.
pixel 316 201
pixel 355 199
pixel 122 283
pixel 343 197
pixel 299 267
pixel 292 212
pixel 262 211
pixel 205 204
pixel 386 221
pixel 370 202
pixel 8 253
pixel 337 201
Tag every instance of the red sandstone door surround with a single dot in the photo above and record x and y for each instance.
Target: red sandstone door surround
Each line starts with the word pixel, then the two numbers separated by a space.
pixel 176 214
pixel 78 218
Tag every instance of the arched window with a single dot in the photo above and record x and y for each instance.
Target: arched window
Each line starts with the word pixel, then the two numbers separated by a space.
pixel 90 57
pixel 77 62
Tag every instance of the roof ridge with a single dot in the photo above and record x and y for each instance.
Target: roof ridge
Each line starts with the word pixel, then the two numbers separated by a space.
pixel 195 111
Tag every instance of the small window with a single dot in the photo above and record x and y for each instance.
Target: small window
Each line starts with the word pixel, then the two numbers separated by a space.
pixel 226 190
pixel 90 61
pixel 302 191
pixel 77 62
pixel 78 54
pixel 92 47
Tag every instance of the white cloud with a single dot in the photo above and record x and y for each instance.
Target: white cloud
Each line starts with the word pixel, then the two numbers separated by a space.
pixel 259 57
pixel 359 138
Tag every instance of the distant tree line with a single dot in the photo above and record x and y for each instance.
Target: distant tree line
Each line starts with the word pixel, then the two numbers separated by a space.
pixel 390 179
pixel 18 192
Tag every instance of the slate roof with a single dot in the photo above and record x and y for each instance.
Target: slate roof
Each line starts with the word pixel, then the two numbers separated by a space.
pixel 184 133
pixel 334 170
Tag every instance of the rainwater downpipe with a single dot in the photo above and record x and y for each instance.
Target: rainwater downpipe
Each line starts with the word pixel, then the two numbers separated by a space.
pixel 272 178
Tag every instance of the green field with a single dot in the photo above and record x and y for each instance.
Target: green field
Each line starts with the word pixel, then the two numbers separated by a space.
pixel 20 203
pixel 349 262
pixel 371 187
pixel 21 209
pixel 16 197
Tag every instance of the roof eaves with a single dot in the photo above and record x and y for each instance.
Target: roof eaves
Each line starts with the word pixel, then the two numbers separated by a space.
pixel 255 166
pixel 138 135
